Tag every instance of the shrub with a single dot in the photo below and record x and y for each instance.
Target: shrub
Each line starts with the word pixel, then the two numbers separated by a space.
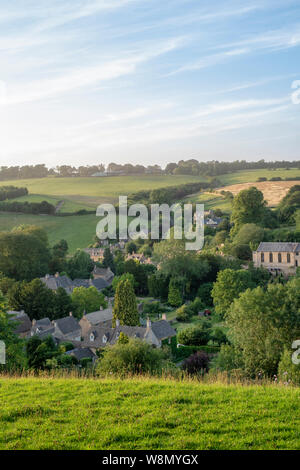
pixel 218 336
pixel 197 363
pixel 196 336
pixel 134 357
pixel 241 252
pixel 183 314
pixel 287 371
pixel 204 293
pixel 229 358
pixel 195 307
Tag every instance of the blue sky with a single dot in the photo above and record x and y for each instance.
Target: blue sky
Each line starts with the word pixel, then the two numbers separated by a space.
pixel 148 81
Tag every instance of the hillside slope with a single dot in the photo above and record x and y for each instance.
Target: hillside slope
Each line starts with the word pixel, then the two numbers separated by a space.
pixel 145 414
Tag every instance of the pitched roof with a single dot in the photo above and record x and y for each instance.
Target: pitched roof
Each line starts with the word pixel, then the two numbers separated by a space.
pixel 99 316
pixel 54 282
pixel 162 329
pixel 81 353
pixel 67 324
pixel 279 246
pixel 43 322
pixel 22 319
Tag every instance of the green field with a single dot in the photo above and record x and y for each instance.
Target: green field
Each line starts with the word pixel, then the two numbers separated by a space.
pixel 77 230
pixel 146 414
pixel 249 176
pixel 93 191
pixel 210 201
pixel 87 193
pixel 67 206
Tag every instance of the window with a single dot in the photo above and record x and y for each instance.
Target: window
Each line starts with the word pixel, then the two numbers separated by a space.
pixel 271 257
pixel 288 258
pixel 262 257
pixel 279 258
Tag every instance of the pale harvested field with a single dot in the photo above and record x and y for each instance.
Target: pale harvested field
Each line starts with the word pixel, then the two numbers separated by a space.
pixel 273 191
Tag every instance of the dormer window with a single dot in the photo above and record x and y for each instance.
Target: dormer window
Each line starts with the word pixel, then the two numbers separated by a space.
pixel 92 337
pixel 104 339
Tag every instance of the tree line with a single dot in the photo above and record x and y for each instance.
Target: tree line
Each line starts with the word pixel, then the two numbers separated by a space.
pixel 11 192
pixel 183 167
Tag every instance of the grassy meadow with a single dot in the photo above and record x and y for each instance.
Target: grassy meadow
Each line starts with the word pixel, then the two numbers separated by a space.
pixel 94 191
pixel 249 176
pixel 77 230
pixel 210 201
pixel 72 413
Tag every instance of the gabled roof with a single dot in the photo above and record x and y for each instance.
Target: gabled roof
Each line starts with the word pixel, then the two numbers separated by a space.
pixel 67 325
pixel 43 322
pixel 99 316
pixel 162 329
pixel 279 246
pixel 54 282
pixel 23 322
pixel 81 353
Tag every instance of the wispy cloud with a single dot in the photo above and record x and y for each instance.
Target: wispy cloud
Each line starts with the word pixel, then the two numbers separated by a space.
pixel 269 41
pixel 85 76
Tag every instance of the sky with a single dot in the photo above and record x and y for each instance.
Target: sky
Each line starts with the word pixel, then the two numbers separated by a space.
pixel 148 81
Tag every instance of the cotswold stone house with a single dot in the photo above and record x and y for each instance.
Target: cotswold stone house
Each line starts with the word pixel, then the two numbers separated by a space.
pixel 99 318
pixel 278 258
pixel 155 334
pixel 56 281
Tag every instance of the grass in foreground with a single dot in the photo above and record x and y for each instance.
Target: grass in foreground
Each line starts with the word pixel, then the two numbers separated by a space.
pixel 145 414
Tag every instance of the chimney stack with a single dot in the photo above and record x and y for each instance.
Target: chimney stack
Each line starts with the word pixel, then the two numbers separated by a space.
pixel 56 274
pixel 117 323
pixel 148 323
pixel 70 314
pixel 164 316
pixel 33 322
pixel 101 308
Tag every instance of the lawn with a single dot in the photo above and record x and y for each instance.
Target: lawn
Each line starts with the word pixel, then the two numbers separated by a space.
pixel 79 230
pixel 146 414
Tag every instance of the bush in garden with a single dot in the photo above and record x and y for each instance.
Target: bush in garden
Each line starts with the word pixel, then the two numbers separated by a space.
pixel 196 336
pixel 197 363
pixel 183 314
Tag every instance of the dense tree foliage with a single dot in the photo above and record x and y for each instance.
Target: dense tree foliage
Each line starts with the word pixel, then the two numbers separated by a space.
pixel 125 306
pixel 80 265
pixel 11 192
pixel 86 300
pixel 262 323
pixel 24 253
pixel 13 344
